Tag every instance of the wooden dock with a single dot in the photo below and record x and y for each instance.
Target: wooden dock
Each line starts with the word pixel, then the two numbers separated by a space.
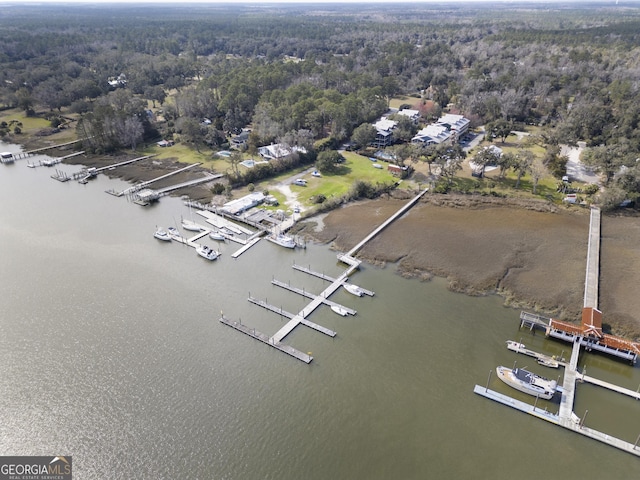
pixel 572 423
pixel 245 247
pixel 609 386
pixel 593 261
pixel 331 279
pixel 139 186
pixel 252 332
pixel 308 294
pixel 316 300
pixel 541 358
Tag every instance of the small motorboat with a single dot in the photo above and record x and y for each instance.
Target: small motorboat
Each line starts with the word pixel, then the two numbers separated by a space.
pixel 339 310
pixel 353 289
pixel 161 234
pixel 215 235
pixel 173 232
pixel 207 252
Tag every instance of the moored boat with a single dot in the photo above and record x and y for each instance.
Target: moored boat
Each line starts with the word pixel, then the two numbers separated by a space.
pixel 353 289
pixel 283 240
pixel 191 226
pixel 215 235
pixel 339 310
pixel 173 232
pixel 207 252
pixel 527 382
pixel 161 234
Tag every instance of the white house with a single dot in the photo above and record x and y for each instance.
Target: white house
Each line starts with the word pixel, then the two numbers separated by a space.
pixel 456 123
pixel 384 132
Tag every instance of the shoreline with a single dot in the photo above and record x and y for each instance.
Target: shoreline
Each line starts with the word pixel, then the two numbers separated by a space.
pixel 531 253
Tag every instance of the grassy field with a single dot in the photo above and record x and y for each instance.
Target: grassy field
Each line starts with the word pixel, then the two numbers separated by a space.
pixel 356 167
pixel 30 126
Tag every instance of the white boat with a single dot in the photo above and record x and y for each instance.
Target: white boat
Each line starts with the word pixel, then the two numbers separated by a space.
pixel 215 235
pixel 173 232
pixel 226 231
pixel 161 234
pixel 545 360
pixel 207 252
pixel 191 226
pixel 339 310
pixel 283 240
pixel 353 289
pixel 527 382
pixel 515 346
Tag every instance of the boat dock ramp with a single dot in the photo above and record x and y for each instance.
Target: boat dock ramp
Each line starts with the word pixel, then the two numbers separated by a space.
pixel 139 186
pixel 7 157
pixel 53 161
pixel 146 196
pixel 85 174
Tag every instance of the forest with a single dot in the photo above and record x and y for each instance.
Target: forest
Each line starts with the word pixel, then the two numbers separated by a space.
pixel 313 74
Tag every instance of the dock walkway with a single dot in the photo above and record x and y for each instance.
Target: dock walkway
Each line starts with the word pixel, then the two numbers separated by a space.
pixel 593 261
pixel 387 222
pixel 308 294
pixel 252 332
pixel 573 423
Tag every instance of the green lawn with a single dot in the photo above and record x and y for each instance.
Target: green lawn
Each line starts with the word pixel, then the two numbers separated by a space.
pixel 355 167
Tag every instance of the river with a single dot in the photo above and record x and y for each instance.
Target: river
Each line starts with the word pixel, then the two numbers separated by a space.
pixel 112 353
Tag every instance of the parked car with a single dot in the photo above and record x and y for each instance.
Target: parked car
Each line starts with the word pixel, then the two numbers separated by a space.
pixel 300 181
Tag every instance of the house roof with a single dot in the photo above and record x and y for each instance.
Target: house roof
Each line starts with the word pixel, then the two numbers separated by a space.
pixel 279 150
pixel 432 134
pixel 385 125
pixel 407 112
pixel 454 122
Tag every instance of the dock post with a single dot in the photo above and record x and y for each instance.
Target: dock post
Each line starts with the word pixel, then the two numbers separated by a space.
pixel 583 417
pixel 535 404
pixel 488 380
pixel 636 444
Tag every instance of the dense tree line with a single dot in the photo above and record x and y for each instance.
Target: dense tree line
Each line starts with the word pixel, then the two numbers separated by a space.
pixel 286 70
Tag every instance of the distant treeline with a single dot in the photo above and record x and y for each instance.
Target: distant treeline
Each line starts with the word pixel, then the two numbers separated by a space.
pixel 316 71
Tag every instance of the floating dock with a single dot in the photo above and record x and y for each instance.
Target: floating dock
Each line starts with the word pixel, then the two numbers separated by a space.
pixel 542 359
pixel 315 300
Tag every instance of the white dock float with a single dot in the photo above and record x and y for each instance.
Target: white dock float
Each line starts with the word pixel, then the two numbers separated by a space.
pixel 572 423
pixel 245 247
pixel 252 332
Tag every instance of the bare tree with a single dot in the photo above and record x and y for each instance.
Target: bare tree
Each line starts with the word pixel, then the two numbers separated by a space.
pixel 131 131
pixel 538 170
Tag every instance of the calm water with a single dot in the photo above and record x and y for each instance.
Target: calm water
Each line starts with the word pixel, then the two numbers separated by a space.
pixel 111 351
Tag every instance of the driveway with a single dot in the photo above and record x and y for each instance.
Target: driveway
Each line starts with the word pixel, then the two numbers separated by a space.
pixel 576 170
